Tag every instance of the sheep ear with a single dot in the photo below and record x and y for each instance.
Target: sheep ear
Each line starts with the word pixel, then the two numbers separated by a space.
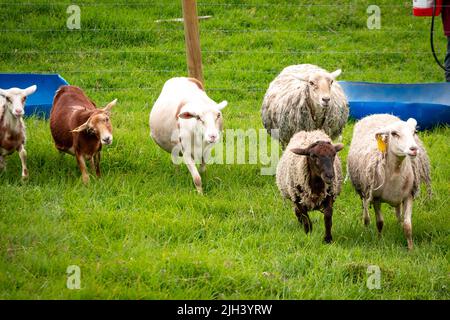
pixel 381 141
pixel 187 115
pixel 300 152
pixel 412 123
pixel 222 105
pixel 336 73
pixel 338 147
pixel 109 106
pixel 81 128
pixel 29 90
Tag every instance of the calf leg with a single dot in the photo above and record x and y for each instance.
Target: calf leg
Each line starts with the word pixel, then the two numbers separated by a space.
pixel 82 166
pixel 194 172
pixel 97 164
pixel 380 220
pixel 407 223
pixel 328 217
pixel 302 215
pixel 23 160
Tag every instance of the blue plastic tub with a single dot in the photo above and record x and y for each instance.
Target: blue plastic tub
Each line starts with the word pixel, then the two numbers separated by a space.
pixel 40 102
pixel 428 103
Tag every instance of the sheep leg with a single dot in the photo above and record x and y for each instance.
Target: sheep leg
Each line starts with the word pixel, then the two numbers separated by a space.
pixel 2 163
pixel 398 213
pixel 23 160
pixel 82 165
pixel 365 203
pixel 407 223
pixel 97 164
pixel 205 158
pixel 92 163
pixel 302 215
pixel 379 215
pixel 194 172
pixel 328 217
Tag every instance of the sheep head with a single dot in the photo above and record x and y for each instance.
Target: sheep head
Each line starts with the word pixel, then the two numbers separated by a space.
pixel 320 157
pixel 399 138
pixel 319 86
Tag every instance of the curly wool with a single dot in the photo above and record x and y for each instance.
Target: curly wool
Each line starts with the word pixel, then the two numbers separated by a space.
pixel 287 106
pixel 293 178
pixel 366 164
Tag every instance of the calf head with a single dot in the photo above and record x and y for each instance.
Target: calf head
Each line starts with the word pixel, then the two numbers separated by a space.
pixel 99 124
pixel 320 157
pixel 15 99
pixel 205 121
pixel 399 138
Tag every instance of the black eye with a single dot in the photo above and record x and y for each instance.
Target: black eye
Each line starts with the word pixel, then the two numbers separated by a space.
pixel 8 99
pixel 218 116
pixel 395 134
pixel 312 83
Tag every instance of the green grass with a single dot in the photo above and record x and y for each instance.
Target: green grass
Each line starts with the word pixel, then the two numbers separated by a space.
pixel 141 231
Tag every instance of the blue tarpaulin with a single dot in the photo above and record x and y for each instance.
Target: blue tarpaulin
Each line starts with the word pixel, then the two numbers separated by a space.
pixel 428 103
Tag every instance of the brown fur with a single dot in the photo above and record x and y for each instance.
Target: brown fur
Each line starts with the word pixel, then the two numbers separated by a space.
pixel 71 109
pixel 198 83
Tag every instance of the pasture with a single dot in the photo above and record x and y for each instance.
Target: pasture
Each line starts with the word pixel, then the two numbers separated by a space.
pixel 142 231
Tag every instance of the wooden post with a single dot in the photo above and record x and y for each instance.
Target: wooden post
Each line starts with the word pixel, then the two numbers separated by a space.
pixel 192 39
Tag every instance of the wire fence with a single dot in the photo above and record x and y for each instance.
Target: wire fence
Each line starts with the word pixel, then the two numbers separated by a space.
pixel 174 29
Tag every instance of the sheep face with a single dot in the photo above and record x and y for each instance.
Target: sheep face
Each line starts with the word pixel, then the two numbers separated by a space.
pixel 15 99
pixel 321 155
pixel 399 138
pixel 100 124
pixel 205 123
pixel 319 85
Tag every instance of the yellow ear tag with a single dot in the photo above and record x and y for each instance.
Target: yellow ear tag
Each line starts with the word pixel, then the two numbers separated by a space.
pixel 381 144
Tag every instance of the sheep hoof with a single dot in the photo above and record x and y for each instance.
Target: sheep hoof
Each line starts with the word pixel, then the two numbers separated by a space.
pixel 328 239
pixel 366 221
pixel 380 226
pixel 199 190
pixel 410 245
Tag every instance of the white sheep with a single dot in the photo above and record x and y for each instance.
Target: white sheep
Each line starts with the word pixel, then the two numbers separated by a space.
pixel 386 163
pixel 304 97
pixel 12 126
pixel 184 120
pixel 309 174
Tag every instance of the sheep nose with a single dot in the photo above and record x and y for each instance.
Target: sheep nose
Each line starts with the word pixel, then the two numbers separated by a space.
pixel 413 151
pixel 212 138
pixel 326 99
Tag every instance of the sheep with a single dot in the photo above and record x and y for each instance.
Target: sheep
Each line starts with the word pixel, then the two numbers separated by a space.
pixel 184 120
pixel 79 128
pixel 309 174
pixel 386 163
pixel 12 126
pixel 304 97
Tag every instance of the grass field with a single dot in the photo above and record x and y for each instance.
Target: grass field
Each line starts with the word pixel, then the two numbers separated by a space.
pixel 142 231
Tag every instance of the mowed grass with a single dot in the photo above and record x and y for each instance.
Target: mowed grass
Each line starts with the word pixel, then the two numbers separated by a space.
pixel 141 231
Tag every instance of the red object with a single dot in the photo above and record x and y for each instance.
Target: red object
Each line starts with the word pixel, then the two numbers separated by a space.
pixel 424 8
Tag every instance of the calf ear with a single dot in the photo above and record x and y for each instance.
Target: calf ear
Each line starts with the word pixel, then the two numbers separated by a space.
pixel 299 151
pixel 338 147
pixel 222 105
pixel 187 115
pixel 109 106
pixel 81 128
pixel 336 73
pixel 29 90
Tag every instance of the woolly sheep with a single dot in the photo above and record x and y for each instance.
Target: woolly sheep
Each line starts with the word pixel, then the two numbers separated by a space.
pixel 386 163
pixel 309 174
pixel 304 97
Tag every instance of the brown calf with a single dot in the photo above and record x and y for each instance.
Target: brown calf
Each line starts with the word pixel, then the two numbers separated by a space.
pixel 79 128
